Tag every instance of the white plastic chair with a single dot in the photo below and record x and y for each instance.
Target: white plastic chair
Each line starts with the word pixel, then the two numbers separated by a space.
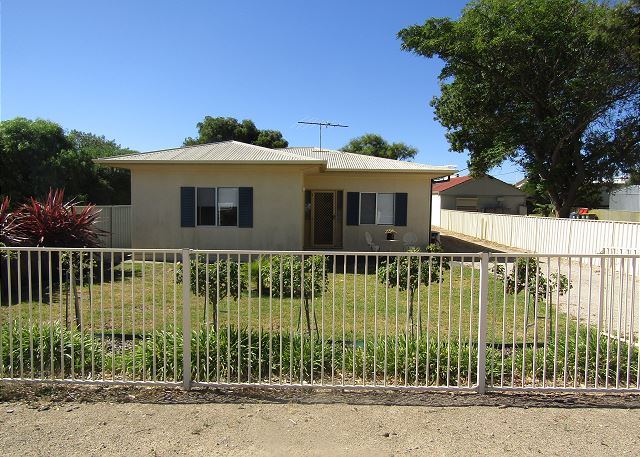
pixel 369 240
pixel 410 239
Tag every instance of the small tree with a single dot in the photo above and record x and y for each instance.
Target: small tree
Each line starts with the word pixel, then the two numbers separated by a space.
pixel 282 276
pixel 527 275
pixel 410 270
pixel 215 281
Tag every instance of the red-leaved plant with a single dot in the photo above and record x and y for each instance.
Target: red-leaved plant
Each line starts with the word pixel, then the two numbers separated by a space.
pixel 9 225
pixel 56 223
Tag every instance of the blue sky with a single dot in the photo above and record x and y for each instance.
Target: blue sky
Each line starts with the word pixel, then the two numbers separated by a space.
pixel 145 72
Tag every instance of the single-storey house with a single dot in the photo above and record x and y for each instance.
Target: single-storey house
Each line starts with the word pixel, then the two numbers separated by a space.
pixel 486 195
pixel 232 195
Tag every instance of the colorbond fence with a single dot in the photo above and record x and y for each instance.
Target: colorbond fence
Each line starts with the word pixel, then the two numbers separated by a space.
pixel 538 234
pixel 356 320
pixel 115 221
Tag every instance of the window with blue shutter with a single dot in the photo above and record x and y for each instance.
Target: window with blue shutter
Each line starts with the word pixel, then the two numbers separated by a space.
pixel 245 210
pixel 353 208
pixel 401 209
pixel 187 206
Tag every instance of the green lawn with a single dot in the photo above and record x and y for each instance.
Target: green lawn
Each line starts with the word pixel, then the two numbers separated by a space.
pixel 142 296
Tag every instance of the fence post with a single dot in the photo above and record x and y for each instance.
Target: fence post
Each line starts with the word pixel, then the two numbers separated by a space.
pixel 482 322
pixel 186 319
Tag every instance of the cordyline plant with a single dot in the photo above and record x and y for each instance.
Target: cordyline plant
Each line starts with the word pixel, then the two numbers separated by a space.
pixel 56 223
pixel 9 226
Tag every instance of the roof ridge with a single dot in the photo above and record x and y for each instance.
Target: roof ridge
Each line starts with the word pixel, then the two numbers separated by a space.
pixel 277 150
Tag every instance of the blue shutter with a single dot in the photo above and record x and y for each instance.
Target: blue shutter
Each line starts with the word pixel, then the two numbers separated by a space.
pixel 400 209
pixel 245 207
pixel 187 206
pixel 353 208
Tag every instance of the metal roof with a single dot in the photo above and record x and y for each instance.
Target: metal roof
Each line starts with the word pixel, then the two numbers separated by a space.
pixel 221 152
pixel 347 161
pixel 242 153
pixel 444 185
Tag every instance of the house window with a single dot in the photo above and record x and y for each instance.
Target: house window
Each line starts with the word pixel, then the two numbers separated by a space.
pixel 384 211
pixel 228 206
pixel 377 208
pixel 206 206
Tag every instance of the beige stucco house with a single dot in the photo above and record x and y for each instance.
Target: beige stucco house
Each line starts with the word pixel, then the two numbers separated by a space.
pixel 232 195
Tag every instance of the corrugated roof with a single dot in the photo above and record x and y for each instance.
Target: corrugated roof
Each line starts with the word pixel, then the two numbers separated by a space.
pixel 221 152
pixel 237 152
pixel 444 185
pixel 347 161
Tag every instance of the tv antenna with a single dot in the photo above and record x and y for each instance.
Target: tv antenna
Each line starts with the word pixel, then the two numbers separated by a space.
pixel 320 125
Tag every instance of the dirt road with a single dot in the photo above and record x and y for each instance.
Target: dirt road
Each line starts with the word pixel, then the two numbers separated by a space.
pixel 164 422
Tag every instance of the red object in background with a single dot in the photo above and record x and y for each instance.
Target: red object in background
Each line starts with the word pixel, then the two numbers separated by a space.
pixel 583 210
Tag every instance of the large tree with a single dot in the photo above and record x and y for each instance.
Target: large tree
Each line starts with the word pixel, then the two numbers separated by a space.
pixel 27 150
pixel 549 84
pixel 213 129
pixel 372 144
pixel 37 155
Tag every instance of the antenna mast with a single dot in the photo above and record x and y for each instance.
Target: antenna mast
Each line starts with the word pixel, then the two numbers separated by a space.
pixel 320 125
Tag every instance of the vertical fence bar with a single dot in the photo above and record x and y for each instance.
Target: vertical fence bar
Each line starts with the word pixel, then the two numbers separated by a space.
pixel 482 322
pixel 186 319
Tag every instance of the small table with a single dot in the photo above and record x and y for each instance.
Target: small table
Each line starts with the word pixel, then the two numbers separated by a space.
pixel 390 245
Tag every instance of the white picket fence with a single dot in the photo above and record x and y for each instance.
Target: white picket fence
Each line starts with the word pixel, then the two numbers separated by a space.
pixel 115 222
pixel 542 234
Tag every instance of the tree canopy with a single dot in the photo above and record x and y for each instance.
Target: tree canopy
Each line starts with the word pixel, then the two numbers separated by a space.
pixel 551 85
pixel 213 129
pixel 39 155
pixel 372 144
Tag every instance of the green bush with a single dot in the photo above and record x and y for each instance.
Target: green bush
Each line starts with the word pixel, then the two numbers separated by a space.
pixel 282 274
pixel 35 350
pixel 237 355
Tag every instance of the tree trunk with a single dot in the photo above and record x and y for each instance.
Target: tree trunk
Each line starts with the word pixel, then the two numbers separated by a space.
pixel 76 304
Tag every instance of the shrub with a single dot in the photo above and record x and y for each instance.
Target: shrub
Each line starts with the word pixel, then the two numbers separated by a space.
pixel 224 277
pixel 282 275
pixel 9 226
pixel 289 269
pixel 410 270
pixel 56 223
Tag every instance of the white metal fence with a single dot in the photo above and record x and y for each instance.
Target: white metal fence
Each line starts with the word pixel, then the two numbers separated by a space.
pixel 115 222
pixel 540 234
pixel 424 321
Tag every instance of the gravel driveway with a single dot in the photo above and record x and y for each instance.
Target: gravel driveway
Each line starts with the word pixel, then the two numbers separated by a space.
pixel 147 422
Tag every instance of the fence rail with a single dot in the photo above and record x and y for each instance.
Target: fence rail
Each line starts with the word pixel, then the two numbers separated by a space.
pixel 540 234
pixel 356 320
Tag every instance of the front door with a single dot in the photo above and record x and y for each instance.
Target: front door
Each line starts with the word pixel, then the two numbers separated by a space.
pixel 323 215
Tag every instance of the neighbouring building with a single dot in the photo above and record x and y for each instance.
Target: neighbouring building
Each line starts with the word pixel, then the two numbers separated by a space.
pixel 232 195
pixel 486 195
pixel 625 199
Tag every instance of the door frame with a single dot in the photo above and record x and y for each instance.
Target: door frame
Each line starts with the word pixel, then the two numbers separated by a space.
pixel 334 194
